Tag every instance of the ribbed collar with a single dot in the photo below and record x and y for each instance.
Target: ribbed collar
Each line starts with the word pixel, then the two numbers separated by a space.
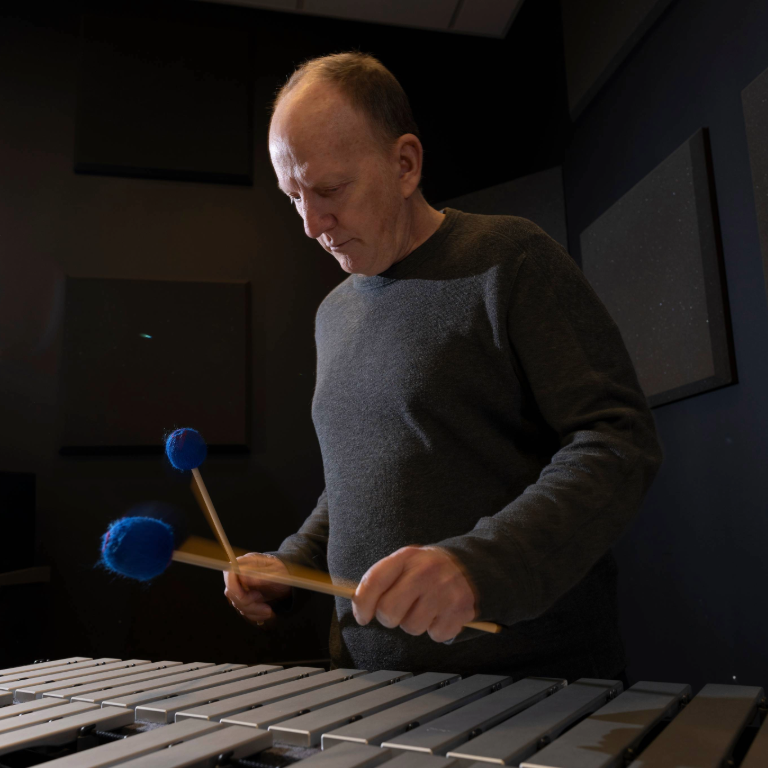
pixel 416 257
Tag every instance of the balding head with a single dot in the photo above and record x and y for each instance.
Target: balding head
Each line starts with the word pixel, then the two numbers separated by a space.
pixel 316 120
pixel 357 197
pixel 338 151
pixel 368 86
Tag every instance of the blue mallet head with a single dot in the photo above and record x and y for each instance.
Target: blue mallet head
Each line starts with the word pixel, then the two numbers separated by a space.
pixel 137 547
pixel 185 448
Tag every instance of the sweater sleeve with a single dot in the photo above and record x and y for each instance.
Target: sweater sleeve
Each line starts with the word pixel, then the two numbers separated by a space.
pixel 308 547
pixel 570 357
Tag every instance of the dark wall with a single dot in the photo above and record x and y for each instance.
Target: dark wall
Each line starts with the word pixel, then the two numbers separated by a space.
pixel 693 565
pixel 489 111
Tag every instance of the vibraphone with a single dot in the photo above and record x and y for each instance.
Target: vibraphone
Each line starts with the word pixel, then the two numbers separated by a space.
pixel 88 713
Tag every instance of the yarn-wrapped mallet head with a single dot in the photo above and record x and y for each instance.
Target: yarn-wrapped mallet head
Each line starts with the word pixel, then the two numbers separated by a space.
pixel 138 547
pixel 185 448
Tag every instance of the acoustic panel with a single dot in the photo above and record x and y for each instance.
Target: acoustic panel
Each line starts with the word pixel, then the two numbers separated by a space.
pixel 166 100
pixel 654 258
pixel 142 357
pixel 755 101
pixel 538 197
pixel 597 36
pixel 486 17
pixel 434 14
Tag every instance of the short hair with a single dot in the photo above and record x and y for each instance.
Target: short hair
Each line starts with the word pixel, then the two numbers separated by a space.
pixel 369 86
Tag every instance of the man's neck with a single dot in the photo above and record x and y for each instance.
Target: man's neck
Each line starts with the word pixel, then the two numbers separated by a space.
pixel 425 222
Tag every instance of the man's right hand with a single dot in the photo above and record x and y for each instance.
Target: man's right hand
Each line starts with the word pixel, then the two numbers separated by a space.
pixel 251 595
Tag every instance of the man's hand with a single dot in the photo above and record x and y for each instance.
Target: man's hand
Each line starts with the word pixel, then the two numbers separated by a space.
pixel 251 595
pixel 419 589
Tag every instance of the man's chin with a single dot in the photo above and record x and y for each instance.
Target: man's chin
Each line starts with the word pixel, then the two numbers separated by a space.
pixel 353 266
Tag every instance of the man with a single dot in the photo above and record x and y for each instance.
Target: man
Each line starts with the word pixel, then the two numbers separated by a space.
pixel 484 437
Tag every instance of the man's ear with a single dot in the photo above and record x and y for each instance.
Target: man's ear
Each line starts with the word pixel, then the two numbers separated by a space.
pixel 410 155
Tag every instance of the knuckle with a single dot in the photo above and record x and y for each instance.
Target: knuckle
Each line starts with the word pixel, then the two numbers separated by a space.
pixel 413 628
pixel 385 619
pixel 441 634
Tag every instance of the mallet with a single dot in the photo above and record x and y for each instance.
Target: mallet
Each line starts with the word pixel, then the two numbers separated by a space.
pixel 186 450
pixel 143 547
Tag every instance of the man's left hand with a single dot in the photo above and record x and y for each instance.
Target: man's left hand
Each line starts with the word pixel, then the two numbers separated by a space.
pixel 419 589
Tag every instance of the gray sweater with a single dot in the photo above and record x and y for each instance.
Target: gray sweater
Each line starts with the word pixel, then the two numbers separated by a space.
pixel 477 396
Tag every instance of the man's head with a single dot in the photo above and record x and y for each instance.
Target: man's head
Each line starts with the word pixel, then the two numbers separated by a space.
pixel 345 148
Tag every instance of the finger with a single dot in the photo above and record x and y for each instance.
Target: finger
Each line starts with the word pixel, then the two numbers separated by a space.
pixel 446 626
pixel 376 581
pixel 240 581
pixel 250 598
pixel 395 604
pixel 258 613
pixel 419 619
pixel 233 589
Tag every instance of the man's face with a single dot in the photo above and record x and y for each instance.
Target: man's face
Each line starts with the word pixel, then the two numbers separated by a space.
pixel 343 184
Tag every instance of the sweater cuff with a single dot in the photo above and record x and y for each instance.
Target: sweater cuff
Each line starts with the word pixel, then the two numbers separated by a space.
pixel 500 581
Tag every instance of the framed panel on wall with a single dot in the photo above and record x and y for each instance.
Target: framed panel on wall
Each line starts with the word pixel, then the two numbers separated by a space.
pixel 143 357
pixel 655 260
pixel 165 100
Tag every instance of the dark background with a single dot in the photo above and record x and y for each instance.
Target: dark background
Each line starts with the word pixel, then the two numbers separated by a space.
pixel 692 566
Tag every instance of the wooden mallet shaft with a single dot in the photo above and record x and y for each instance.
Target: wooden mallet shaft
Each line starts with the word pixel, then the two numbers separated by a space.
pixel 213 519
pixel 315 581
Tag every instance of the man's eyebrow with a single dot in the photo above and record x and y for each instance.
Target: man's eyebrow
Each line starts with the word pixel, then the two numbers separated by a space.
pixel 322 184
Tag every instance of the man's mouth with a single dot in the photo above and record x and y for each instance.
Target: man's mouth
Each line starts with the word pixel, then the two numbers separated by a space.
pixel 339 245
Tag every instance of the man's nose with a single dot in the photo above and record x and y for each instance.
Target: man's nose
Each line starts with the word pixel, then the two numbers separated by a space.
pixel 316 220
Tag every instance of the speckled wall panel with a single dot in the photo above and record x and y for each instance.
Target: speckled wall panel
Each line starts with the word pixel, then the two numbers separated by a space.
pixel 597 36
pixel 755 99
pixel 654 258
pixel 538 197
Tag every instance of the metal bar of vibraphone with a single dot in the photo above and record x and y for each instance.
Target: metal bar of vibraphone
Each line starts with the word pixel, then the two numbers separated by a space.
pixel 131 696
pixel 135 676
pixel 396 720
pixel 307 730
pixel 234 742
pixel 8 682
pixel 118 752
pixel 515 739
pixel 28 706
pixel 35 718
pixel 705 732
pixel 37 691
pixel 607 738
pixel 165 711
pixel 348 756
pixel 352 755
pixel 422 760
pixel 63 730
pixel 170 691
pixel 444 733
pixel 28 691
pixel 219 709
pixel 263 717
pixel 44 665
